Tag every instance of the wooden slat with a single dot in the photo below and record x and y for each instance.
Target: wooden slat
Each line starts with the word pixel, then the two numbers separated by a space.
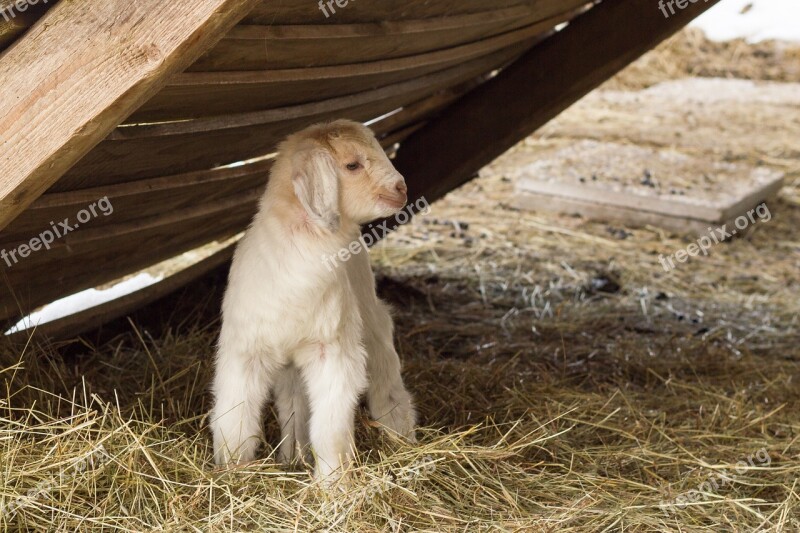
pixel 163 196
pixel 316 45
pixel 147 151
pixel 133 200
pixel 90 319
pixel 270 12
pixel 533 90
pixel 27 286
pixel 199 94
pixel 82 248
pixel 73 79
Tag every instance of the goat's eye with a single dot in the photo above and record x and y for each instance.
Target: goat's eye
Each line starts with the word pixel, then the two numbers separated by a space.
pixel 353 166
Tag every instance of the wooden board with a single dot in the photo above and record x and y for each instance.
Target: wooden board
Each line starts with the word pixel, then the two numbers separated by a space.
pixel 629 216
pixel 89 319
pixel 317 45
pixel 645 184
pixel 72 80
pixel 202 94
pixel 149 151
pixel 270 12
pixel 34 282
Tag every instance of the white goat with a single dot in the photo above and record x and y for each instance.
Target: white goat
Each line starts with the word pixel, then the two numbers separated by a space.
pixel 316 336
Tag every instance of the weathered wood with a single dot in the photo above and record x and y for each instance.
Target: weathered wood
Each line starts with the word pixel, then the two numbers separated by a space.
pixel 546 80
pixel 135 200
pixel 160 198
pixel 317 45
pixel 106 243
pixel 203 94
pixel 92 318
pixel 270 12
pixel 73 79
pixel 139 152
pixel 29 284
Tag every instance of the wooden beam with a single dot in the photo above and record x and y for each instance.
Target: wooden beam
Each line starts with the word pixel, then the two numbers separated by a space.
pixel 553 75
pixel 94 317
pixel 82 70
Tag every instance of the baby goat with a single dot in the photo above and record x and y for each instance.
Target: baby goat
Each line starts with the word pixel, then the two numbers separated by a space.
pixel 316 337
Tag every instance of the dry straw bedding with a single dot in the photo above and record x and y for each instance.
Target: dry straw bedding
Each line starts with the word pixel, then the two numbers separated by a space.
pixel 564 382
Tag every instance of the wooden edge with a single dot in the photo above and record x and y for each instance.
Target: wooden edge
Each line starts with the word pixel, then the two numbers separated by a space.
pixel 458 53
pixel 95 317
pixel 255 118
pixel 663 205
pixel 376 29
pixel 112 231
pixel 166 183
pixel 76 80
pixel 625 214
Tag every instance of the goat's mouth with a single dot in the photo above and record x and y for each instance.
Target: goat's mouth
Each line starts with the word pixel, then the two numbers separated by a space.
pixel 393 201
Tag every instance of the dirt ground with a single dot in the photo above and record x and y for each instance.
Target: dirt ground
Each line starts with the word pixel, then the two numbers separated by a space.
pixel 565 381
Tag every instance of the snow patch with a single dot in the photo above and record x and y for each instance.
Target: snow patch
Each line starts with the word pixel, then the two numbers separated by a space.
pixel 82 301
pixel 762 20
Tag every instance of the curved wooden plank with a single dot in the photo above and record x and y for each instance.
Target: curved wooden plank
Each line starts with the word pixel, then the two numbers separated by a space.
pixel 72 80
pixel 248 48
pixel 90 319
pixel 26 287
pixel 270 12
pixel 135 200
pixel 113 235
pixel 198 94
pixel 139 152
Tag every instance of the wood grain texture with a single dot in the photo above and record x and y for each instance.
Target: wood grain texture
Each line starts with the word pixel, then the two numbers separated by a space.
pixel 83 69
pixel 248 48
pixel 92 318
pixel 272 12
pixel 201 94
pixel 140 152
pixel 169 209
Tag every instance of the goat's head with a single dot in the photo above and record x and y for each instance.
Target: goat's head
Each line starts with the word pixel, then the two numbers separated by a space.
pixel 339 170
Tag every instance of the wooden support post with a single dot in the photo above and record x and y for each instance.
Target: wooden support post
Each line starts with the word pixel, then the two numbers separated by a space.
pixel 553 75
pixel 82 70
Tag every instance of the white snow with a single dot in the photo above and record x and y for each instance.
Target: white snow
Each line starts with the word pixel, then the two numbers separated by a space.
pixel 766 19
pixel 82 301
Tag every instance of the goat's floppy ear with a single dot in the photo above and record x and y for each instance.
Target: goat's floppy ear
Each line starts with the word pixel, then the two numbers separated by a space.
pixel 316 185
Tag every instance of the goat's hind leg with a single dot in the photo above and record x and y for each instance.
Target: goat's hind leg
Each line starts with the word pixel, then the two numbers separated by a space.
pixel 389 402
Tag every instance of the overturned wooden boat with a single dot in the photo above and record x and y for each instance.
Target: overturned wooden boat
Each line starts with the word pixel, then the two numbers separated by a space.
pixel 171 111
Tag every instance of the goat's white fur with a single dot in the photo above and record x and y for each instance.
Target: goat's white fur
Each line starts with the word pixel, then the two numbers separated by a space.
pixel 316 337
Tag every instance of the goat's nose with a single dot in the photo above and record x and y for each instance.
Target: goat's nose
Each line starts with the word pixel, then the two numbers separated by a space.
pixel 401 187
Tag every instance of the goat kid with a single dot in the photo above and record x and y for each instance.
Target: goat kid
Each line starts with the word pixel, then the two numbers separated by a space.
pixel 317 338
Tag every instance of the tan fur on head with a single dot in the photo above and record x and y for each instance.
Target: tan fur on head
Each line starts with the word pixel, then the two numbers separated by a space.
pixel 338 174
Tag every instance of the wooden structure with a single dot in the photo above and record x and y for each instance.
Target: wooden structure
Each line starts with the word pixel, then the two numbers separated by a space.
pixel 172 109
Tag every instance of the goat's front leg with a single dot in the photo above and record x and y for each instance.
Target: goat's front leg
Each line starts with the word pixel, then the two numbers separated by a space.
pixel 335 376
pixel 241 388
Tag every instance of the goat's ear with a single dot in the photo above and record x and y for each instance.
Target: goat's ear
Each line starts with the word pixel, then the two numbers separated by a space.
pixel 316 185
